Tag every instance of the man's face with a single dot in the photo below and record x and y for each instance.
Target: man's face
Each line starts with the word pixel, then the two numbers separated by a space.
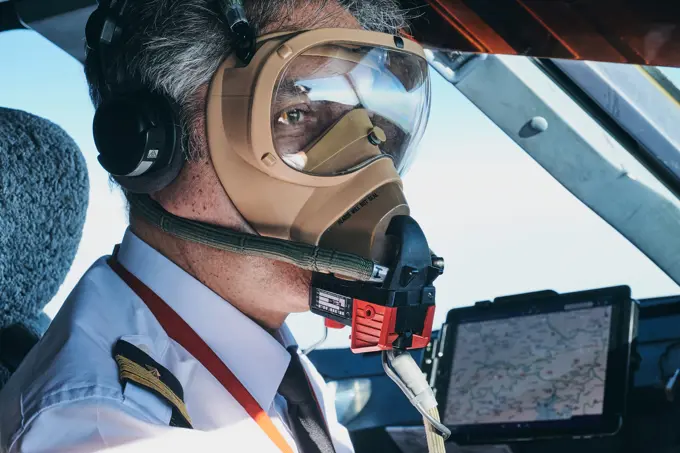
pixel 198 194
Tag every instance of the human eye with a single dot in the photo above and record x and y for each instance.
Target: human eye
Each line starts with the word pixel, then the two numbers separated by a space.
pixel 293 116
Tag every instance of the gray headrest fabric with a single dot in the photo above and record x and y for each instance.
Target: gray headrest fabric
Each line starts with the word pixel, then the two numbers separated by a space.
pixel 44 191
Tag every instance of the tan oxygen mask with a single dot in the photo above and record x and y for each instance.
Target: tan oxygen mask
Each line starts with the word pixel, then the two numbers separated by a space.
pixel 310 137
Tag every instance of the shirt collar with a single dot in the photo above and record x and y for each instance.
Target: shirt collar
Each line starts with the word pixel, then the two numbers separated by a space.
pixel 258 359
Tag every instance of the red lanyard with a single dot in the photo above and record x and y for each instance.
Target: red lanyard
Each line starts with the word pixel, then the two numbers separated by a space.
pixel 182 333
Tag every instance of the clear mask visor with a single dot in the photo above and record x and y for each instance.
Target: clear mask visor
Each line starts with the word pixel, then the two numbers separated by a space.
pixel 338 107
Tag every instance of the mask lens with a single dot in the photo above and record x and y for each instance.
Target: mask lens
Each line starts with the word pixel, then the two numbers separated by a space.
pixel 338 107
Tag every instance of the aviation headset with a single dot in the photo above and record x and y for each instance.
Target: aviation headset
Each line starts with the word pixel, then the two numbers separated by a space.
pixel 136 130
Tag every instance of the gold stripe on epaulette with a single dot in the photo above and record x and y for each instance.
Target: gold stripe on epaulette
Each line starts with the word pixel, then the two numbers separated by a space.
pixel 136 373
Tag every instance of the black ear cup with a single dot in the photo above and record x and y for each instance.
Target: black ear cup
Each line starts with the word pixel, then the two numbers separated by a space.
pixel 136 131
pixel 94 27
pixel 138 139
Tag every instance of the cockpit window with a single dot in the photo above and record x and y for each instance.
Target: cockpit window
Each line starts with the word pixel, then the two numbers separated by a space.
pixel 503 224
pixel 46 81
pixel 673 76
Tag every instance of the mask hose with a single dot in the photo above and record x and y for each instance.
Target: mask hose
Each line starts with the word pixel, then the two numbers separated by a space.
pixel 404 371
pixel 302 255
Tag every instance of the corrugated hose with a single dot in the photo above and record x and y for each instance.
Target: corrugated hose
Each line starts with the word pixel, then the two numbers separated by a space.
pixel 299 254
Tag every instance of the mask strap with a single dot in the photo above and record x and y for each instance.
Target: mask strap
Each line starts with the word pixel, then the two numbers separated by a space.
pixel 302 255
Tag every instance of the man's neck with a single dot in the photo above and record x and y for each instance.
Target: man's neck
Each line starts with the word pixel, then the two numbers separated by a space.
pixel 266 291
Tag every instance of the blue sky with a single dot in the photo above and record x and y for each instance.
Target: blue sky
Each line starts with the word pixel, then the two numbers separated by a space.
pixel 503 224
pixel 673 75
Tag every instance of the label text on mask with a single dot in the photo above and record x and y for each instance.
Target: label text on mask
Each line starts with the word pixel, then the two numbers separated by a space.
pixel 356 208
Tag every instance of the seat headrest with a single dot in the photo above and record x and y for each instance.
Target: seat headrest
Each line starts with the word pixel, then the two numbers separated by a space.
pixel 44 190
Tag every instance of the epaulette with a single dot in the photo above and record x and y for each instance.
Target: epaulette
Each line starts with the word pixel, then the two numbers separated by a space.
pixel 135 365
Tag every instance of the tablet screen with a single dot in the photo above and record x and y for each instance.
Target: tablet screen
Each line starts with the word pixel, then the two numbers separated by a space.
pixel 539 367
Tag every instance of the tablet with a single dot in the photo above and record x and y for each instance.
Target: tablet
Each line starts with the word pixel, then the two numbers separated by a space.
pixel 541 365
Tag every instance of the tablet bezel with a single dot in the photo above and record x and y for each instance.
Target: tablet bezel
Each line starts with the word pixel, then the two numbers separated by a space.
pixel 617 380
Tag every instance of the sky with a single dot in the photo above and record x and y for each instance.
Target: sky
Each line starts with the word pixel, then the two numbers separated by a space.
pixel 673 74
pixel 502 223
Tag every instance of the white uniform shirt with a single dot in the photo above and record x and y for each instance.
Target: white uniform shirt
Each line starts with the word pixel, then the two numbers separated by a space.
pixel 66 395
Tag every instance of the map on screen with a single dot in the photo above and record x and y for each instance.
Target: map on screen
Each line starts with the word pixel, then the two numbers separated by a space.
pixel 540 367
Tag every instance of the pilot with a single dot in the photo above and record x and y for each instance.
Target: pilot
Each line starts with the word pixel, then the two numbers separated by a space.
pixel 232 129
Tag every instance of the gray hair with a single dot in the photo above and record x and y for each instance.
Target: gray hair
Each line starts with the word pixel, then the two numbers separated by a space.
pixel 174 46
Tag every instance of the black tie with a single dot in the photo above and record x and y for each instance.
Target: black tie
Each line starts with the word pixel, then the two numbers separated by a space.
pixel 308 422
